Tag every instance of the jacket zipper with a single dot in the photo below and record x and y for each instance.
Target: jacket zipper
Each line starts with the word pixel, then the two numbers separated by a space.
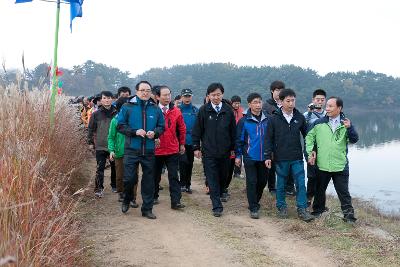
pixel 144 128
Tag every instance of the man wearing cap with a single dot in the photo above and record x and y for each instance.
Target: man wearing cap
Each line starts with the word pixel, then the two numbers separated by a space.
pixel 189 113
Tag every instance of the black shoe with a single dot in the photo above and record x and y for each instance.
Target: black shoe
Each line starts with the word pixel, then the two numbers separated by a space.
pixel 272 190
pixel 121 197
pixel 124 207
pixel 349 218
pixel 114 190
pixel 188 190
pixel 224 197
pixel 134 204
pixel 305 215
pixel 160 188
pixel 156 202
pixel 217 213
pixel 183 189
pixel 149 215
pixel 283 213
pixel 177 206
pixel 290 193
pixel 254 215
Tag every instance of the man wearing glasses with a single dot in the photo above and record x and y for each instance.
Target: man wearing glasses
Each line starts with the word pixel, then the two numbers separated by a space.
pixel 141 121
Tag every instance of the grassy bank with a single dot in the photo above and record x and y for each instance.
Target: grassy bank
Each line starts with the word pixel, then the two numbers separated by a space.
pixel 38 226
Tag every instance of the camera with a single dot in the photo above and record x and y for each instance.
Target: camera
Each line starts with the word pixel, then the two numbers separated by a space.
pixel 312 106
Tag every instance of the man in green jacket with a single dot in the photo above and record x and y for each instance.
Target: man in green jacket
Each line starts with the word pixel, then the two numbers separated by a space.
pixel 116 144
pixel 327 147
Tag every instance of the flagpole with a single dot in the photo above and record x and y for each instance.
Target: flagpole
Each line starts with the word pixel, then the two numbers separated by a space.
pixel 54 83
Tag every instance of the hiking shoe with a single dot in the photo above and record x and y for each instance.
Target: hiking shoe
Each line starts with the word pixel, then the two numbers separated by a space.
pixel 99 193
pixel 305 215
pixel 283 213
pixel 156 201
pixel 134 204
pixel 290 193
pixel 124 207
pixel 217 213
pixel 189 190
pixel 225 197
pixel 114 190
pixel 177 206
pixel 120 197
pixel 349 218
pixel 149 215
pixel 254 215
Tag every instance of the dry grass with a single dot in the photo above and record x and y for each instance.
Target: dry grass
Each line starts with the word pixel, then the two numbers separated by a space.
pixel 38 226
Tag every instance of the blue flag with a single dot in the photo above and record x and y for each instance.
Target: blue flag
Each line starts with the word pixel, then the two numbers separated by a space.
pixel 75 8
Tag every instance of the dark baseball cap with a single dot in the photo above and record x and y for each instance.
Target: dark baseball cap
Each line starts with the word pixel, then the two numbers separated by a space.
pixel 186 92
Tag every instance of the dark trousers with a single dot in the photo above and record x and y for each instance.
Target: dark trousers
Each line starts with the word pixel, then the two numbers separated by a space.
pixel 216 170
pixel 132 159
pixel 311 180
pixel 101 158
pixel 341 183
pixel 256 180
pixel 171 161
pixel 229 174
pixel 271 177
pixel 186 166
pixel 233 169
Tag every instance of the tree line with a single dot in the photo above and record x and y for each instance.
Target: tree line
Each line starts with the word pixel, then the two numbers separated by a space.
pixel 363 89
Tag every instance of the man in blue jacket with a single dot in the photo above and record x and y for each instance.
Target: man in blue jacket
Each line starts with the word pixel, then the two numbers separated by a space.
pixel 250 143
pixel 141 121
pixel 189 113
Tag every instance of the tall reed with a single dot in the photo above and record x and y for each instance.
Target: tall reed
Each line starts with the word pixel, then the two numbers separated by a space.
pixel 38 226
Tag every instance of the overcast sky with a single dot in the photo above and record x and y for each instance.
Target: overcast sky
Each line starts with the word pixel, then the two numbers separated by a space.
pixel 133 35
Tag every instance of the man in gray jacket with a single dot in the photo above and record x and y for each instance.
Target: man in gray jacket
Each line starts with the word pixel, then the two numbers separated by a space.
pixel 98 137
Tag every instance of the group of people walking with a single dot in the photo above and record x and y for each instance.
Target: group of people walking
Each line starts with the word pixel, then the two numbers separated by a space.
pixel 269 138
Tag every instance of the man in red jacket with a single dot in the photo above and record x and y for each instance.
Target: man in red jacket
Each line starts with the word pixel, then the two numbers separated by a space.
pixel 172 143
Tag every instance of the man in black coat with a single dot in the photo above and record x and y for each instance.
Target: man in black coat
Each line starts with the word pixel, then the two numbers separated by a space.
pixel 215 130
pixel 284 146
pixel 270 107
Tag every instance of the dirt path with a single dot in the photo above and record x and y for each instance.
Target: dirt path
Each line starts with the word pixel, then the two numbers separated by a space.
pixel 193 237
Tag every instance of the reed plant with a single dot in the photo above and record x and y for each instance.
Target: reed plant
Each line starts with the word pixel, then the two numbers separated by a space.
pixel 38 222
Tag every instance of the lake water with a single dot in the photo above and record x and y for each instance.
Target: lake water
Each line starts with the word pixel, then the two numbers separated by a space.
pixel 375 160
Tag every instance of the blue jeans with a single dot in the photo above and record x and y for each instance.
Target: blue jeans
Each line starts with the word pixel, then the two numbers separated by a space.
pixel 296 167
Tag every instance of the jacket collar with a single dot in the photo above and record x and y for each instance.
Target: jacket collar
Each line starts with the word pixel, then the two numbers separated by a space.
pixel 249 116
pixel 296 113
pixel 224 107
pixel 136 101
